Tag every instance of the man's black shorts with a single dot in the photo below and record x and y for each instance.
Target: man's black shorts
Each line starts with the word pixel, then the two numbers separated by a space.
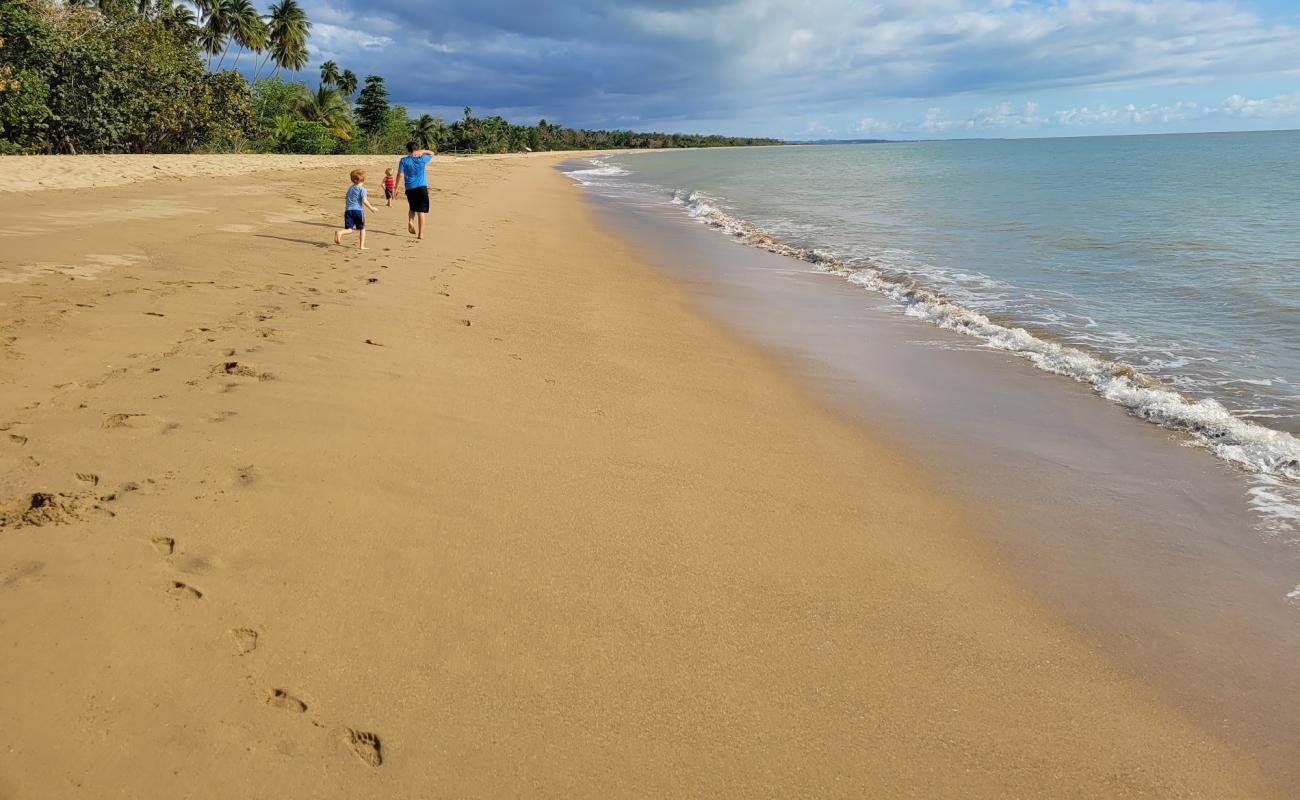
pixel 418 199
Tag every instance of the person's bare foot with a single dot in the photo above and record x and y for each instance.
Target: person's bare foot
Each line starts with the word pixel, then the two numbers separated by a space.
pixel 338 238
pixel 410 226
pixel 363 248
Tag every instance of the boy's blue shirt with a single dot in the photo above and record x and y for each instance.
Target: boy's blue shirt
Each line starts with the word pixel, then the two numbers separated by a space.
pixel 356 194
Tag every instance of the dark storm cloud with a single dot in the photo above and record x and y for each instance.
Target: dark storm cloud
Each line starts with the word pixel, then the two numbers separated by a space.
pixel 658 61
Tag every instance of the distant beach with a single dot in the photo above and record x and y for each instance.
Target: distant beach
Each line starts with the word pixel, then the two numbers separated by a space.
pixel 529 508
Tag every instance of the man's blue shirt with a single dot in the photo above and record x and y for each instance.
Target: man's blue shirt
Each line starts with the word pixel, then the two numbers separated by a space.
pixel 412 168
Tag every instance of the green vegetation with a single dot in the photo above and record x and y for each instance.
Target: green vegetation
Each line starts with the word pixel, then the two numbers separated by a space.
pixel 151 76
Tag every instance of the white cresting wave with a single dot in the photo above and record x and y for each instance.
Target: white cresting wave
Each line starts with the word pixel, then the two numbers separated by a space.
pixel 1274 456
pixel 602 169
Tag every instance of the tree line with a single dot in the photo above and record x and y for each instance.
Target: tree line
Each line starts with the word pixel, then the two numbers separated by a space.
pixel 151 76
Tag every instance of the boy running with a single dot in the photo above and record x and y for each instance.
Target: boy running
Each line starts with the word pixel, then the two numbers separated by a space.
pixel 390 187
pixel 354 215
pixel 411 169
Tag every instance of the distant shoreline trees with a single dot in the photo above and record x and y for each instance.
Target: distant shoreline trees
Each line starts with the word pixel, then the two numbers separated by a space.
pixel 150 76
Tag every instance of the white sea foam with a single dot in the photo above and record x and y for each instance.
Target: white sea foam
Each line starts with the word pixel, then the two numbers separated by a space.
pixel 599 169
pixel 1253 447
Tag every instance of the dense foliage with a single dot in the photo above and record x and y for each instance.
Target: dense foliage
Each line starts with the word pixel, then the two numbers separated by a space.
pixel 139 76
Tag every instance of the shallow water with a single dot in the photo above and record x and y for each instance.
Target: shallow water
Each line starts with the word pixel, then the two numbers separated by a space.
pixel 1160 270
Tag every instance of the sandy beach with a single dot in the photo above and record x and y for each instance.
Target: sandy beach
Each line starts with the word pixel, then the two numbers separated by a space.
pixel 501 513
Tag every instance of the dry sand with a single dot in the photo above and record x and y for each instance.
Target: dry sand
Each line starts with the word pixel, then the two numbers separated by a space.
pixel 496 514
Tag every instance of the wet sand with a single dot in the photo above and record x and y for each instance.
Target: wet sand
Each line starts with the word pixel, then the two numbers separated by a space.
pixel 500 513
pixel 1143 545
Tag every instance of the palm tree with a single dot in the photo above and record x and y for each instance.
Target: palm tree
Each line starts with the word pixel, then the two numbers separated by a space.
pixel 284 128
pixel 246 28
pixel 426 130
pixel 217 23
pixel 347 83
pixel 178 16
pixel 326 106
pixel 287 32
pixel 329 74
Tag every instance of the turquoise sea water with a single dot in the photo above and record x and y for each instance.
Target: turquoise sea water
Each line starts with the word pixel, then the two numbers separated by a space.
pixel 1162 270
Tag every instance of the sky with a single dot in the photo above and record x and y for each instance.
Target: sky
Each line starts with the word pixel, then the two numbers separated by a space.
pixel 814 69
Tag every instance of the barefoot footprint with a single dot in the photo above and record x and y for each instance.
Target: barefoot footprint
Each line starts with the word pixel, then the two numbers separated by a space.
pixel 183 591
pixel 245 640
pixel 279 698
pixel 365 746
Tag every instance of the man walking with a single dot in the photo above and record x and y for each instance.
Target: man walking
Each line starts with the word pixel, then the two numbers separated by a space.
pixel 411 169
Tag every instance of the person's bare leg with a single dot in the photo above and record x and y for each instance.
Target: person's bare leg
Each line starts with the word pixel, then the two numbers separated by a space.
pixel 410 221
pixel 420 223
pixel 361 239
pixel 338 235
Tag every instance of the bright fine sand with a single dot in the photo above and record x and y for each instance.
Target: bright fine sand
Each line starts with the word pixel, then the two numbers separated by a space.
pixel 496 514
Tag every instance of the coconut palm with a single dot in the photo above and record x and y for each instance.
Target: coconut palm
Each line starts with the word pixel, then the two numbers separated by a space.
pixel 347 83
pixel 287 32
pixel 329 74
pixel 176 15
pixel 426 130
pixel 326 106
pixel 218 20
pixel 246 28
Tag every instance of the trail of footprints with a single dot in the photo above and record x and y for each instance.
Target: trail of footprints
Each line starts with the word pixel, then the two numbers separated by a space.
pixel 45 508
pixel 364 745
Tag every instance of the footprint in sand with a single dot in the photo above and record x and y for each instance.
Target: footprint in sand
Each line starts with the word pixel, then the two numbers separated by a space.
pixel 22 572
pixel 18 439
pixel 165 545
pixel 364 746
pixel 239 369
pixel 88 477
pixel 220 416
pixel 183 591
pixel 245 640
pixel 279 698
pixel 119 420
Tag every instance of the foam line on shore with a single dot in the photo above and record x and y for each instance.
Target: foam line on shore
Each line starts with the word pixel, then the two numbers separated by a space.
pixel 1256 448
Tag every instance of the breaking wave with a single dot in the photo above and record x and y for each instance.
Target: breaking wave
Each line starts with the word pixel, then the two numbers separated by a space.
pixel 1253 447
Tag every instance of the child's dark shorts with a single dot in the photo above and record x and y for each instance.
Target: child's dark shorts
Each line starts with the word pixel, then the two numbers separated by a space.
pixel 388 194
pixel 354 220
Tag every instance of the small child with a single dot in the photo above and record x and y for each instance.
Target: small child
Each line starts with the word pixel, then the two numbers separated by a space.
pixel 354 215
pixel 390 186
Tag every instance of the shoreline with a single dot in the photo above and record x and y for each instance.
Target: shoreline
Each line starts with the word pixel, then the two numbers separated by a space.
pixel 549 530
pixel 1147 550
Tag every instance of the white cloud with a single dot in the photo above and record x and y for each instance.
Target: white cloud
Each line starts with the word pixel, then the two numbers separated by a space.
pixel 1008 118
pixel 329 40
pixel 877 127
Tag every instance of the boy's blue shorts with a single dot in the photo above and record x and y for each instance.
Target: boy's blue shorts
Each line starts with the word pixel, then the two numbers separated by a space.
pixel 354 220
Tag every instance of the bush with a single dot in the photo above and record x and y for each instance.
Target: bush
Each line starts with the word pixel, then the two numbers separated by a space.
pixel 312 138
pixel 24 112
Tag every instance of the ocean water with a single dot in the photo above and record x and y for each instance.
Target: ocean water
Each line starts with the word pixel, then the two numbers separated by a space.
pixel 1163 271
